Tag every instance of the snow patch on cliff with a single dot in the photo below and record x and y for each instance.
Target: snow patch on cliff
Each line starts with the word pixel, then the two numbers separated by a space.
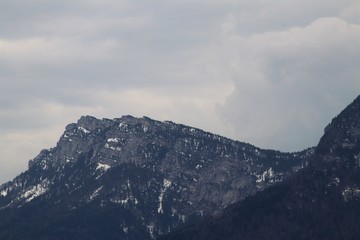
pixel 166 185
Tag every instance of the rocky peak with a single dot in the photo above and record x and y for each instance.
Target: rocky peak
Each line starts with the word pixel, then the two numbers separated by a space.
pixel 154 175
pixel 340 145
pixel 90 123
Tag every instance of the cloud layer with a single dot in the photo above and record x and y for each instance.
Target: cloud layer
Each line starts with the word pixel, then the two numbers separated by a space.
pixel 266 72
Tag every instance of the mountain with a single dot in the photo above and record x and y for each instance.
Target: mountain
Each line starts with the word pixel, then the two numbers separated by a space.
pixel 320 202
pixel 134 178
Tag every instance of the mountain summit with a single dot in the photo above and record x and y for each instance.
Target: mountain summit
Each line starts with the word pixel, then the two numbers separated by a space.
pixel 134 178
pixel 320 202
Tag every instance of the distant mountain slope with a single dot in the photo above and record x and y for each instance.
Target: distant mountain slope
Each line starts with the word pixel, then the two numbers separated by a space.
pixel 321 202
pixel 134 178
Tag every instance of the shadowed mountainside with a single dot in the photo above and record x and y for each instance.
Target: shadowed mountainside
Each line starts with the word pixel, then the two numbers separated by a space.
pixel 320 202
pixel 134 178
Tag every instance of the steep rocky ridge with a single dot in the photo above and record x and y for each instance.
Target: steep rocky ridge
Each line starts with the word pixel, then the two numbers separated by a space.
pixel 134 178
pixel 320 202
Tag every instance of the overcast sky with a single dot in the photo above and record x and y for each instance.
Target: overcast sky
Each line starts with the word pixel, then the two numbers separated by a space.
pixel 269 72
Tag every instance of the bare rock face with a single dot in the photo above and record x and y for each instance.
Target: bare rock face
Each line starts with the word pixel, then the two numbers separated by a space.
pixel 134 178
pixel 320 202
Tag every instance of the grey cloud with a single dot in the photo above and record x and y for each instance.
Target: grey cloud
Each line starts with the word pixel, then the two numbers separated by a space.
pixel 298 79
pixel 257 71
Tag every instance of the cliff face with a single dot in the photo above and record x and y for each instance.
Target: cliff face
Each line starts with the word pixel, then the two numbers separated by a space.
pixel 134 178
pixel 320 202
